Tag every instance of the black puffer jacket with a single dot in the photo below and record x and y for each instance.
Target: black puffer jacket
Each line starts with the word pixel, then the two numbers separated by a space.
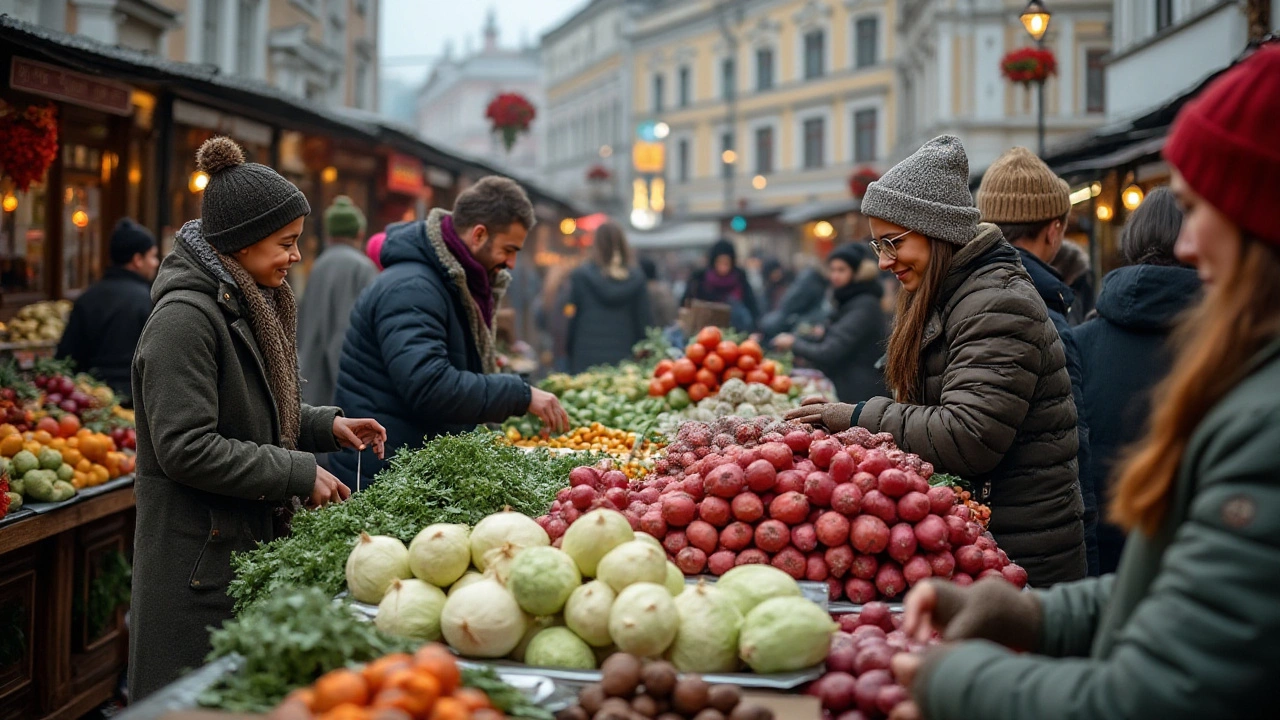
pixel 609 316
pixel 418 356
pixel 997 410
pixel 1124 354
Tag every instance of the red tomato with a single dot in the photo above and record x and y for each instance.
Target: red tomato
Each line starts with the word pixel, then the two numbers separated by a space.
pixel 684 371
pixel 655 388
pixel 729 351
pixel 709 337
pixel 696 352
pixel 747 363
pixel 781 384
pixel 751 347
pixel 668 382
pixel 756 376
pixel 698 392
pixel 714 363
pixel 769 367
pixel 664 367
pixel 735 372
pixel 707 378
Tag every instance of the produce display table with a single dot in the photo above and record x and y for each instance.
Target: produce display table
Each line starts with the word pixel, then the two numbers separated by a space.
pixel 64 578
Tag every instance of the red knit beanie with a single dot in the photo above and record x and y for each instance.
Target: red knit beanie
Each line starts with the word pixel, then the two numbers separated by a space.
pixel 1226 144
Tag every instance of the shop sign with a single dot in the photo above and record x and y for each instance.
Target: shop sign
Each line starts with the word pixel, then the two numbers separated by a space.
pixel 648 157
pixel 404 174
pixel 69 86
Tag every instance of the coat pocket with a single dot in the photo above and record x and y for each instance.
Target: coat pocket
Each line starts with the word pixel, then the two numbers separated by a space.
pixel 227 534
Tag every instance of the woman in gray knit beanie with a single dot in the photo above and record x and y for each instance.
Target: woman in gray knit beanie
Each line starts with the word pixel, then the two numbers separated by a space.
pixel 224 442
pixel 977 370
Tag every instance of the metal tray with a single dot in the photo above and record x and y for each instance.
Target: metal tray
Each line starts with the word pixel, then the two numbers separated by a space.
pixel 775 681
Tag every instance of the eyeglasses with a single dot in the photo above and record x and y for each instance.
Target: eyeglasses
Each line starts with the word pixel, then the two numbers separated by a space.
pixel 887 247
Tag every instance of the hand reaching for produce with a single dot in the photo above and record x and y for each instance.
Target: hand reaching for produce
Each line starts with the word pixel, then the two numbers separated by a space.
pixel 359 433
pixel 905 668
pixel 328 489
pixel 784 341
pixel 548 409
pixel 990 609
pixel 835 417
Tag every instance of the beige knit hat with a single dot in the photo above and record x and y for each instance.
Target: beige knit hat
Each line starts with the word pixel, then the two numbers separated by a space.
pixel 1019 188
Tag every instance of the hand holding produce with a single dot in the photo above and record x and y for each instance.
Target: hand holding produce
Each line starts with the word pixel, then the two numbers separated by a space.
pixel 327 489
pixel 359 433
pixel 835 417
pixel 548 409
pixel 987 610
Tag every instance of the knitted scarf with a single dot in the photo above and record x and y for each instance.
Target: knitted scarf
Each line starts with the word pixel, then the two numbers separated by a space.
pixel 273 316
pixel 477 276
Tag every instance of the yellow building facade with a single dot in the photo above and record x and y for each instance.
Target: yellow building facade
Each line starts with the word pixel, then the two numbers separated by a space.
pixel 799 92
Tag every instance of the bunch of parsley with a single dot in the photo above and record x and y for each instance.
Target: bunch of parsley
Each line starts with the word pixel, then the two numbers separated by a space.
pixel 453 479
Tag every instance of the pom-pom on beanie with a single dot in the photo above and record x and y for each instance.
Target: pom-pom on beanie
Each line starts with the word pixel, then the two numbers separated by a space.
pixel 243 202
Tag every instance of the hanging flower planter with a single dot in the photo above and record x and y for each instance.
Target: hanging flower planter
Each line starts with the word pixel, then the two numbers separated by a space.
pixel 599 173
pixel 28 142
pixel 510 114
pixel 860 180
pixel 1029 65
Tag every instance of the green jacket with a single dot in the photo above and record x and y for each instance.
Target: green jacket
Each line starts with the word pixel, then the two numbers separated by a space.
pixel 210 467
pixel 1189 625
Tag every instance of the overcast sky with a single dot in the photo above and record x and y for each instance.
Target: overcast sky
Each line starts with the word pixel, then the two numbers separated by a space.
pixel 412 28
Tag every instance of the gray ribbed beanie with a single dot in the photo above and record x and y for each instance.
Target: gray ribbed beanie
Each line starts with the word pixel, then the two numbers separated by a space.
pixel 243 202
pixel 928 192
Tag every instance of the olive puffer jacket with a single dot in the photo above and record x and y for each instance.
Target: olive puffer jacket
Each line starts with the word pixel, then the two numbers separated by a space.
pixel 997 408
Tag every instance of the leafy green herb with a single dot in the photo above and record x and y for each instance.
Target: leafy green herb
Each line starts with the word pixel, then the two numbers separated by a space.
pixel 454 479
pixel 943 479
pixel 509 700
pixel 286 642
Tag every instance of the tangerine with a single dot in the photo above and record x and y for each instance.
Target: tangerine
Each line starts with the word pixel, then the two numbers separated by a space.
pixel 450 709
pixel 11 445
pixel 42 436
pixel 7 429
pixel 472 698
pixel 339 687
pixel 68 425
pixel 441 663
pixel 397 699
pixel 378 670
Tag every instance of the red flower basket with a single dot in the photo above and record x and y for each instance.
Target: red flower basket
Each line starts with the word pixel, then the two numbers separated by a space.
pixel 599 173
pixel 510 114
pixel 860 180
pixel 1029 65
pixel 28 142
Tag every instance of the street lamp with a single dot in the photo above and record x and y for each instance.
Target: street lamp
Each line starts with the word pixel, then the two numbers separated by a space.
pixel 1035 18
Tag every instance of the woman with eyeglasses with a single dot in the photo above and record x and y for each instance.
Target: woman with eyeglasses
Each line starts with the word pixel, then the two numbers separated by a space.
pixel 976 369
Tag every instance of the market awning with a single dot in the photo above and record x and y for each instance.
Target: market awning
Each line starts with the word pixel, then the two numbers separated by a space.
pixel 683 235
pixel 808 212
pixel 1133 152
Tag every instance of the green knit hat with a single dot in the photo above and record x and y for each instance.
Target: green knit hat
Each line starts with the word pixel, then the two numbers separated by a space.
pixel 244 202
pixel 343 219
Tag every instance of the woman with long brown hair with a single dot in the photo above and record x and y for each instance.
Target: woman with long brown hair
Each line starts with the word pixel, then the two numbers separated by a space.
pixel 977 370
pixel 608 306
pixel 1189 626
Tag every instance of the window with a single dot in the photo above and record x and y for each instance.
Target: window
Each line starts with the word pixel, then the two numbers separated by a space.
pixel 764 150
pixel 865 131
pixel 867 36
pixel 209 31
pixel 814 132
pixel 1095 81
pixel 1164 14
pixel 728 78
pixel 686 88
pixel 726 143
pixel 815 54
pixel 764 69
pixel 658 82
pixel 246 39
pixel 682 160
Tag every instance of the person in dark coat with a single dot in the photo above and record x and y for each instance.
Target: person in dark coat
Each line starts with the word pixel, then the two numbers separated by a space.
pixel 107 319
pixel 724 282
pixel 977 370
pixel 225 442
pixel 608 304
pixel 776 278
pixel 419 353
pixel 338 277
pixel 800 304
pixel 1022 196
pixel 851 344
pixel 1072 263
pixel 1189 625
pixel 662 303
pixel 1124 351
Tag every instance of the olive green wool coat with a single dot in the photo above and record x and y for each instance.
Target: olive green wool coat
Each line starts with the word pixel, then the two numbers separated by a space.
pixel 1187 627
pixel 997 410
pixel 210 469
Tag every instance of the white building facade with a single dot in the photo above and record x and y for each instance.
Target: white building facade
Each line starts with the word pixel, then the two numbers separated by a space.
pixel 951 82
pixel 452 103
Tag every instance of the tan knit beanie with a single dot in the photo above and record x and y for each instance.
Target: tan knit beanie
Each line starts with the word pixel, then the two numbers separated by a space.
pixel 1019 188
